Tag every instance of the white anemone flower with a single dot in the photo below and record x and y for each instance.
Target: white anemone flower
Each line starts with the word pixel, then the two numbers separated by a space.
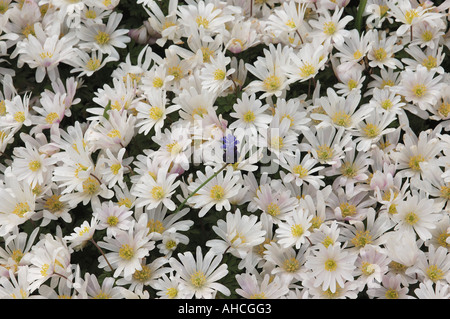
pixel 199 274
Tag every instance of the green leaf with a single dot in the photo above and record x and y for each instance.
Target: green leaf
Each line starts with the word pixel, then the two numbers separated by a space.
pixel 107 108
pixel 359 14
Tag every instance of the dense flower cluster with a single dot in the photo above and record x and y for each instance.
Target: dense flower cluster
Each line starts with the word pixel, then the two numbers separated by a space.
pixel 249 149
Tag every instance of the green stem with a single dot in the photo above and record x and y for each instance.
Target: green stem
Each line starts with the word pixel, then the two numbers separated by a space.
pixel 359 14
pixel 198 188
pixel 101 251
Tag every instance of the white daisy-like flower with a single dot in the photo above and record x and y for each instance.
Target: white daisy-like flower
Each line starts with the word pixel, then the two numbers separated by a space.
pixel 199 274
pixel 17 204
pixel 151 192
pixel 88 63
pixel 115 167
pixel 429 290
pixel 45 53
pixel 113 218
pixel 30 164
pixel 255 286
pixel 417 215
pixel 82 234
pixel 104 37
pixel 127 248
pixel 391 288
pixel 239 234
pixel 250 113
pixel 215 76
pixel 329 27
pixel 341 111
pixel 152 112
pixel 269 70
pixel 293 231
pixel 301 170
pixel 420 87
pixel 331 266
pixel 216 193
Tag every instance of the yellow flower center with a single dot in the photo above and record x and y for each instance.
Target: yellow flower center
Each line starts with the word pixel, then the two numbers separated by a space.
pixel 114 133
pixel 271 83
pixel 387 104
pixel 430 62
pixel 330 265
pixel 349 169
pixel 125 202
pixel 157 82
pixel 276 143
pixel 156 113
pixel 172 292
pixel 34 165
pixel 90 14
pixel 143 275
pixel 102 38
pixel 93 64
pixel 347 209
pixel 21 209
pixel 357 55
pixel 327 241
pixel 316 222
pixel 362 238
pixel 371 130
pixel 155 226
pixel 442 239
pixel 411 218
pixel 427 36
pixel 112 220
pixel 291 24
pixel 207 53
pixel 352 84
pixel 380 54
pixel 410 15
pixel 391 294
pixel 91 186
pixel 198 279
pixel 249 117
pixel 51 117
pixel 300 171
pixel 126 252
pixel 367 268
pixel 414 162
pixel 291 265
pixel 297 230
pixel 445 192
pixel 219 75
pixel 102 295
pixel 176 72
pixel 115 168
pixel 306 70
pixel 273 209
pixel 434 273
pixel 444 109
pixel 217 192
pixel 44 270
pixel 53 204
pixel 157 192
pixel 419 90
pixel 27 30
pixel 342 119
pixel 201 21
pixel 329 28
pixel 324 152
pixel 397 267
pixel 19 117
pixel 2 107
